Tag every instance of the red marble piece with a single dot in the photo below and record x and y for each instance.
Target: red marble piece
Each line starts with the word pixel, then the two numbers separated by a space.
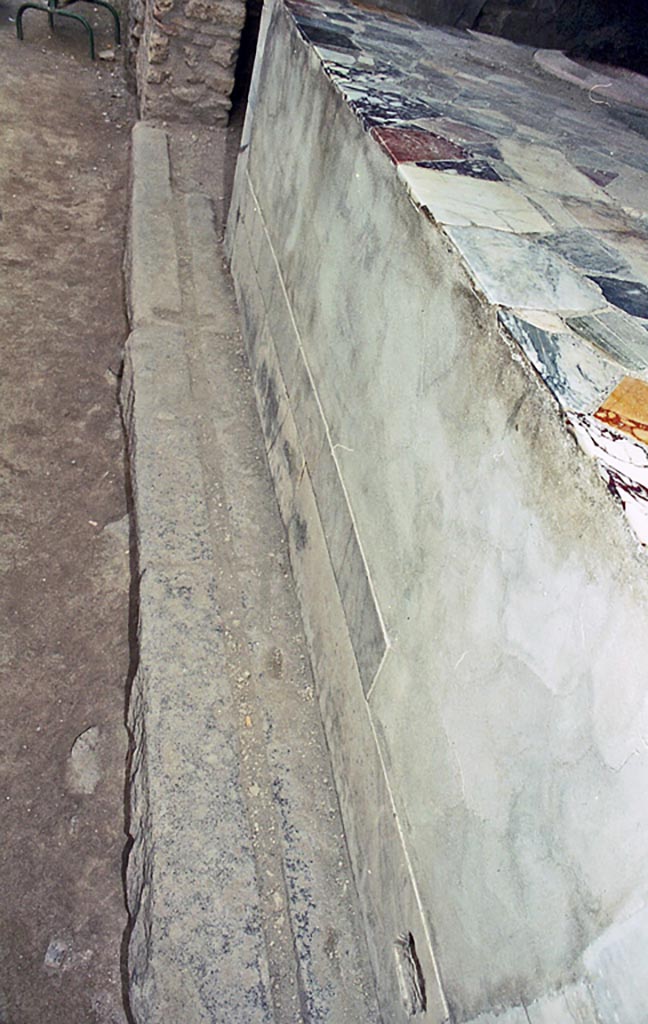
pixel 407 145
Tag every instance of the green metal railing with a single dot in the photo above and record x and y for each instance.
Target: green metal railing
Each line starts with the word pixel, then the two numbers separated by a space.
pixel 56 7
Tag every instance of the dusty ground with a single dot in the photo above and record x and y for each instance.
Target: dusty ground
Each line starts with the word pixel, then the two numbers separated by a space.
pixel 64 652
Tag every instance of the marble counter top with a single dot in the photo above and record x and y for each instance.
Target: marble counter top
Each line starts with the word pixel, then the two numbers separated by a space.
pixel 536 168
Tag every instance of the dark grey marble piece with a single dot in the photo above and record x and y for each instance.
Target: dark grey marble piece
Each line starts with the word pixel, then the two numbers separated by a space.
pixel 587 252
pixel 323 35
pixel 620 336
pixel 637 120
pixel 468 168
pixel 486 151
pixel 385 108
pixel 631 296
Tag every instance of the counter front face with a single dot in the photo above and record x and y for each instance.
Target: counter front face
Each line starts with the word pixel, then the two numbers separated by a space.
pixel 443 280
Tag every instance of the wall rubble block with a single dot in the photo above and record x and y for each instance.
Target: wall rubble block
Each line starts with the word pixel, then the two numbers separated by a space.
pixel 184 55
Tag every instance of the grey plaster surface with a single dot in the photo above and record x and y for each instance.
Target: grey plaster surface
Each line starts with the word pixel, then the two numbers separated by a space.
pixel 504 725
pixel 240 892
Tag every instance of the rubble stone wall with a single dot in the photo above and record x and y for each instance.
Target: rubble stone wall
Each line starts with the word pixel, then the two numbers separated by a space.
pixel 183 54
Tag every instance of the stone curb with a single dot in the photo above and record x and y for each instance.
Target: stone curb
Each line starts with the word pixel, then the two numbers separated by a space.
pixel 196 947
pixel 152 279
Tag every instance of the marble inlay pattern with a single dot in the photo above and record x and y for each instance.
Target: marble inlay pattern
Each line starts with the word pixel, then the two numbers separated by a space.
pixel 542 190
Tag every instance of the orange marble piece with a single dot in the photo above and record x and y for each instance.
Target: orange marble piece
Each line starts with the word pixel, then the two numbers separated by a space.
pixel 626 408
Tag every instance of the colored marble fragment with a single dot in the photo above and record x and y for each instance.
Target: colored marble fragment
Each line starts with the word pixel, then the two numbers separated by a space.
pixel 578 376
pixel 626 409
pixel 631 296
pixel 587 252
pixel 409 145
pixel 620 336
pixel 621 462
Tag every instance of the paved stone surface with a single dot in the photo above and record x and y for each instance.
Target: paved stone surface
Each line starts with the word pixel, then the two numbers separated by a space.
pixel 239 884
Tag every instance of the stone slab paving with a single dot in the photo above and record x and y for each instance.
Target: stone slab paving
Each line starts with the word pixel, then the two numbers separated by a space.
pixel 240 890
pixel 542 187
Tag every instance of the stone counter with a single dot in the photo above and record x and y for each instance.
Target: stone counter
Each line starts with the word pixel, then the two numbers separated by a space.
pixel 438 245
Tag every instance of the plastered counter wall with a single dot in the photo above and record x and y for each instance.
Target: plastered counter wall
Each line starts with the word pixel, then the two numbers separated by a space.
pixel 474 598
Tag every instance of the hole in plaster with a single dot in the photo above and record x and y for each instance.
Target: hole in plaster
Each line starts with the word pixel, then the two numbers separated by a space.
pixel 410 976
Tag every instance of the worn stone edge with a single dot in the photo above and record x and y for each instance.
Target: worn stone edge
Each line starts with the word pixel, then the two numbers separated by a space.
pixel 151 272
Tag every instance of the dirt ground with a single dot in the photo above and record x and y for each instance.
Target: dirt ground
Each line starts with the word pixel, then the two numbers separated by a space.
pixel 64 633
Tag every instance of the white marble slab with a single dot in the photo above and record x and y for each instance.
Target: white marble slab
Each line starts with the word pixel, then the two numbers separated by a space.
pixel 465 201
pixel 517 272
pixel 547 169
pixel 630 190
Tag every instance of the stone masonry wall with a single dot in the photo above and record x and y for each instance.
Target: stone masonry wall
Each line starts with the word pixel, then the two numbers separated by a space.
pixel 184 56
